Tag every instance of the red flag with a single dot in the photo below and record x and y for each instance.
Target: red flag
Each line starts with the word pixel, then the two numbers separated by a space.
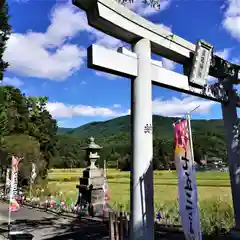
pixel 13 206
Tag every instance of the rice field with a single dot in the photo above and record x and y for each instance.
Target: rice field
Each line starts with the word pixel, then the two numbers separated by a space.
pixel 214 194
pixel 210 185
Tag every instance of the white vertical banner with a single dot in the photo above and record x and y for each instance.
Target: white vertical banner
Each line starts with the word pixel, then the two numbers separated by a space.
pixel 8 180
pixel 13 204
pixel 187 188
pixel 105 185
pixel 33 173
pixel 32 178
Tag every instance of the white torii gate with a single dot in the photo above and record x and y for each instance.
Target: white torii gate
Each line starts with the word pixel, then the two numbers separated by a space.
pixel 146 37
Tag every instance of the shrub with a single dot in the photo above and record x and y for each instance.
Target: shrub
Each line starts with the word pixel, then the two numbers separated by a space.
pixel 215 214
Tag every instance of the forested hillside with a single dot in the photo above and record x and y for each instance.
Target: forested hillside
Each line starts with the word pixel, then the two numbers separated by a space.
pixel 163 128
pixel 113 135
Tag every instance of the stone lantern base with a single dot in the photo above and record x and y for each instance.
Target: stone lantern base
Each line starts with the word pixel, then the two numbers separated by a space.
pixel 91 189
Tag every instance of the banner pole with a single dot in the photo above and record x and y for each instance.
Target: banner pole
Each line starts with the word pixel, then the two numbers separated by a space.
pixel 10 199
pixel 30 190
pixel 188 118
pixel 105 175
pixel 184 116
pixel 9 221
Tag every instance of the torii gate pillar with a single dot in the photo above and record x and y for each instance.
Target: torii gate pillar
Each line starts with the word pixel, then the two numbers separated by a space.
pixel 142 210
pixel 230 119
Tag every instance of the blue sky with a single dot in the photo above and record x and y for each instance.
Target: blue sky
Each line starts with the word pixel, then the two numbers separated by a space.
pixel 47 56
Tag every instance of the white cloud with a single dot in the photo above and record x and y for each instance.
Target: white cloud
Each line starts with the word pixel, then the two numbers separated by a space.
pixel 225 53
pixel 106 75
pixel 236 60
pixel 61 123
pixel 212 79
pixel 49 54
pixel 16 82
pixel 168 28
pixel 231 21
pixel 61 110
pixel 117 106
pixel 168 64
pixel 173 107
pixel 176 107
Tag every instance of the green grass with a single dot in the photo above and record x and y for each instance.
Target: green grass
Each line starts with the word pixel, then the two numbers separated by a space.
pixel 213 179
pixel 213 189
pixel 210 184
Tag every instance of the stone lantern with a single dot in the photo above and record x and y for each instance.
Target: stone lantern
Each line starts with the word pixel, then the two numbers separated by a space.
pixel 92 153
pixel 91 184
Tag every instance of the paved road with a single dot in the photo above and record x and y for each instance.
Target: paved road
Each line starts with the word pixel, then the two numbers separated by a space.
pixel 44 225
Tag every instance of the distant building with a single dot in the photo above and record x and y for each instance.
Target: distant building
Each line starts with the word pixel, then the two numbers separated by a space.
pixel 203 162
pixel 212 162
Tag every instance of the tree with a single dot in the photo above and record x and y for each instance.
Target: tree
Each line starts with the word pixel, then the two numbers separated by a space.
pixel 68 148
pixel 159 154
pixel 124 163
pixel 15 112
pixel 43 127
pixel 197 154
pixel 5 30
pixel 113 157
pixel 26 148
pixel 22 116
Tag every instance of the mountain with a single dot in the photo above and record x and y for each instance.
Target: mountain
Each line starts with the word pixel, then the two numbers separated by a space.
pixel 114 136
pixel 62 130
pixel 162 128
